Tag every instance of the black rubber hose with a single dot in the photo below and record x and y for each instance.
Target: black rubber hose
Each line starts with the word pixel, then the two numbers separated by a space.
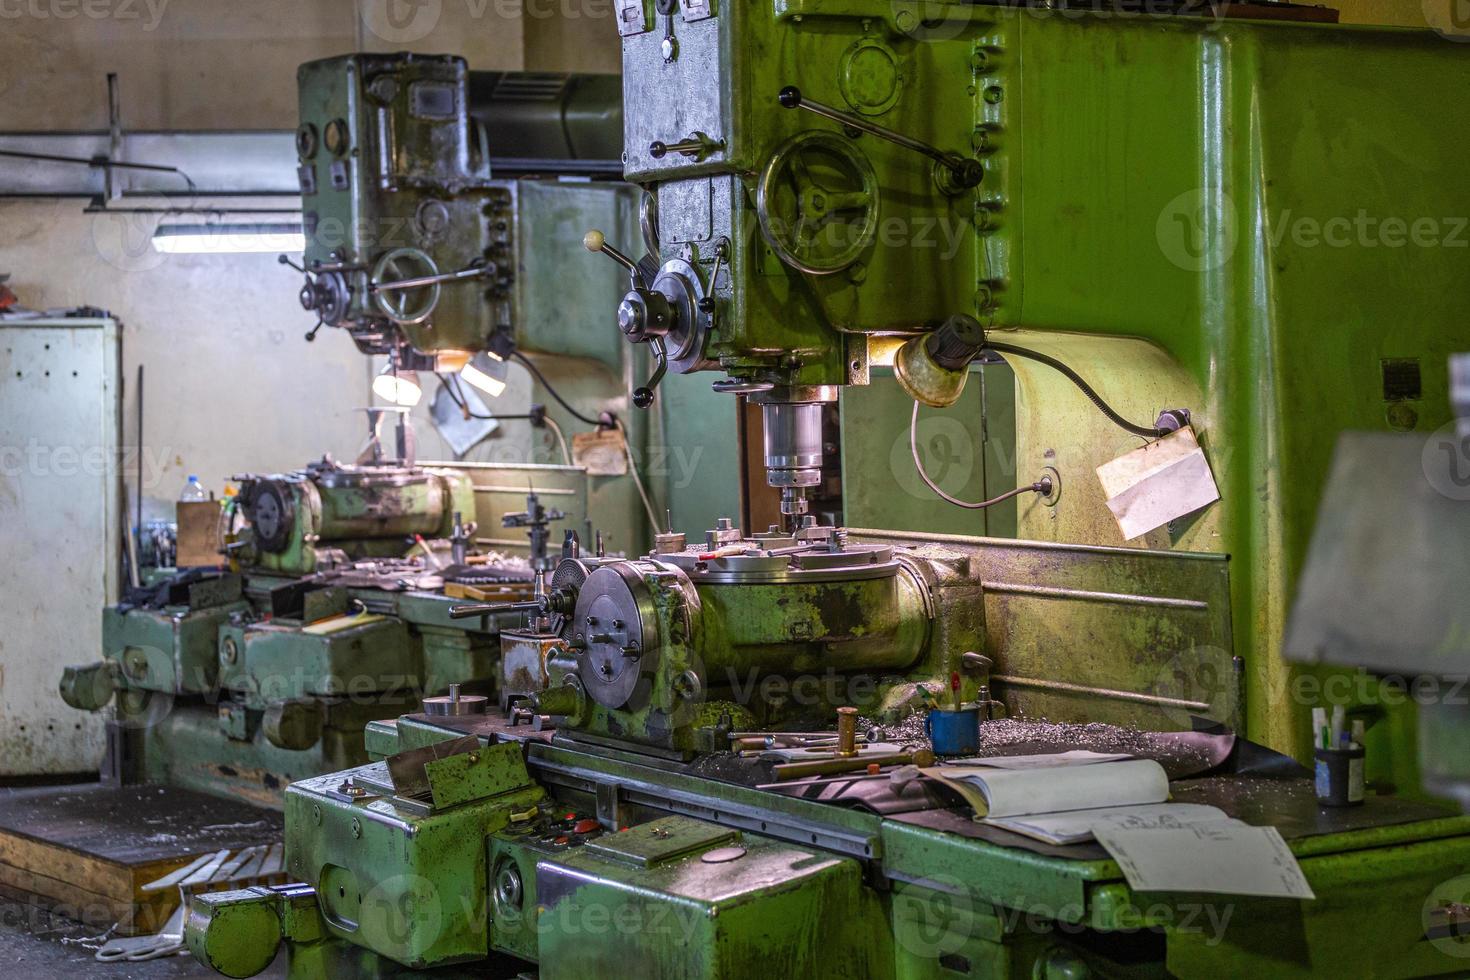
pixel 536 372
pixel 1146 431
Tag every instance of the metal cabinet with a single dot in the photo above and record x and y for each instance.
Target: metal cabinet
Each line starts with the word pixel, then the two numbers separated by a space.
pixel 60 516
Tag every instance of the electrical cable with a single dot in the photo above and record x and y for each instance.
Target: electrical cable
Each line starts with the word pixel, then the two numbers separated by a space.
pixel 637 479
pixel 1146 431
pixel 561 439
pixel 1042 486
pixel 100 163
pixel 450 384
pixel 536 373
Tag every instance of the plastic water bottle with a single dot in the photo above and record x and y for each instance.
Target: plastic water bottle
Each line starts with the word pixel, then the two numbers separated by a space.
pixel 193 492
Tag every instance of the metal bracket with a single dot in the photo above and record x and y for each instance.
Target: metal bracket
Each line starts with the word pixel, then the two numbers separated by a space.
pixel 609 807
pixel 695 10
pixel 632 17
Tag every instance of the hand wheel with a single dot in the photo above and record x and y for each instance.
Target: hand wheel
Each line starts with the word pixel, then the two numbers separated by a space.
pixel 817 202
pixel 406 305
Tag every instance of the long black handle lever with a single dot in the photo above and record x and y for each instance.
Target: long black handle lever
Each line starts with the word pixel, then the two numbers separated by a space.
pixel 966 171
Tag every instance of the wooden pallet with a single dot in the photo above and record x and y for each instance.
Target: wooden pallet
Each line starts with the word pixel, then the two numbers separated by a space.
pixel 87 851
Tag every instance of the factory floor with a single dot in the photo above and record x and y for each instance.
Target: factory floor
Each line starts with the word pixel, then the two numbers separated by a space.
pixel 38 944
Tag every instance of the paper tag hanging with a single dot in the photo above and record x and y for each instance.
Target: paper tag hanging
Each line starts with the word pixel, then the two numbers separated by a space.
pixel 601 452
pixel 1158 483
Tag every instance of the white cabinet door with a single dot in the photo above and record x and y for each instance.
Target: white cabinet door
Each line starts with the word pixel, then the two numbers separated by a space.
pixel 59 520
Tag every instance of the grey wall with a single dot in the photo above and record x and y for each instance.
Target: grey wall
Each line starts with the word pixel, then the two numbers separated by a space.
pixel 230 383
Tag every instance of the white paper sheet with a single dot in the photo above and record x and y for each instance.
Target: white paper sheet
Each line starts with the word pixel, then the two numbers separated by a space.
pixel 1222 856
pixel 1160 482
pixel 1077 757
pixel 1076 826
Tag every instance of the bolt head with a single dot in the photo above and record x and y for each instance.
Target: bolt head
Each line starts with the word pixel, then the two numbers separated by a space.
pixel 632 316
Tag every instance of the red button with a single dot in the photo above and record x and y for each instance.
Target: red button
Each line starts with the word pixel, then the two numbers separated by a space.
pixel 585 826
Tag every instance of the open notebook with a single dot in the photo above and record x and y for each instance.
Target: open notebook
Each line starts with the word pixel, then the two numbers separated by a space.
pixel 1123 804
pixel 1059 803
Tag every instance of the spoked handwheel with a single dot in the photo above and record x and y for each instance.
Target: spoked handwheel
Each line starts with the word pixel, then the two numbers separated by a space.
pixel 817 202
pixel 407 305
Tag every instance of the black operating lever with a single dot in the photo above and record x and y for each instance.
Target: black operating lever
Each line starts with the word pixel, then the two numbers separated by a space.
pixel 967 172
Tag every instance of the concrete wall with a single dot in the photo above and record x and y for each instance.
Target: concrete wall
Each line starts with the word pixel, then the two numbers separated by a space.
pixel 231 64
pixel 230 383
pixel 231 386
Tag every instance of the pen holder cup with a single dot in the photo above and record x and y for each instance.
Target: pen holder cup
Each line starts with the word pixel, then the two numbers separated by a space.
pixel 1339 777
pixel 954 732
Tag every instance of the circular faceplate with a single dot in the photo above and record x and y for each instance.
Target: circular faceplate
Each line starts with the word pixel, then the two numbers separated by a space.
pixel 617 626
pixel 271 515
pixel 681 286
pixel 871 78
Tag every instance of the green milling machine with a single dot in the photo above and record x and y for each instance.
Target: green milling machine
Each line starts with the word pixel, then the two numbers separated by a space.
pixel 1115 185
pixel 429 250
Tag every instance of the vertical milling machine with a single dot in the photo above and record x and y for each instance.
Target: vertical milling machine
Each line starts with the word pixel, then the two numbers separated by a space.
pixel 1109 181
pixel 329 615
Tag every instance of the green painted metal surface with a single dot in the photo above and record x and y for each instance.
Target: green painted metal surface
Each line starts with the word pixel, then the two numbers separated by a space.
pixel 273 662
pixel 411 887
pixel 1215 214
pixel 775 910
pixel 327 511
pixel 172 650
pixel 234 932
pixel 969 450
pixel 696 436
pixel 949 904
pixel 279 699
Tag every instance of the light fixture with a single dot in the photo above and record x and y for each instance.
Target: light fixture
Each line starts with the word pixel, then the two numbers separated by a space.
pixel 224 239
pixel 488 375
pixel 932 367
pixel 400 387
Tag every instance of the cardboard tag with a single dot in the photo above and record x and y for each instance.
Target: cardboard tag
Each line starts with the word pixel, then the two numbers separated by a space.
pixel 602 452
pixel 1161 482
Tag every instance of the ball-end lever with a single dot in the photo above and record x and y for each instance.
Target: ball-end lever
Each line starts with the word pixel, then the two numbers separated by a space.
pixel 595 241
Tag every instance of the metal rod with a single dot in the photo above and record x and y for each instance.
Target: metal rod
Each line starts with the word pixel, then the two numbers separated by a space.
pixel 967 171
pixel 99 162
pixel 596 241
pixel 138 504
pixel 420 281
pixel 104 209
pixel 1133 696
pixel 792 98
pixel 825 780
pixel 471 610
pixel 831 767
pixel 847 731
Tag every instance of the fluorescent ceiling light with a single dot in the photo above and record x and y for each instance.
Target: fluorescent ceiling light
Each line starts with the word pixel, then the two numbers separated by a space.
pixel 400 389
pixel 228 239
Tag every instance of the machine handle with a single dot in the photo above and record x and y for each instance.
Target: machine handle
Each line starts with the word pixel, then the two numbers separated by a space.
pixel 595 241
pixel 696 147
pixel 473 609
pixel 472 272
pixel 643 397
pixel 966 171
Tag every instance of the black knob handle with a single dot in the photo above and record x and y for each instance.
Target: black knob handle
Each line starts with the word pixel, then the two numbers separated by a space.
pixel 658 150
pixel 790 97
pixel 643 397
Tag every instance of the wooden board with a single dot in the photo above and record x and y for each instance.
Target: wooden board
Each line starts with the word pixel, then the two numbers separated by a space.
pixel 87 851
pixel 198 536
